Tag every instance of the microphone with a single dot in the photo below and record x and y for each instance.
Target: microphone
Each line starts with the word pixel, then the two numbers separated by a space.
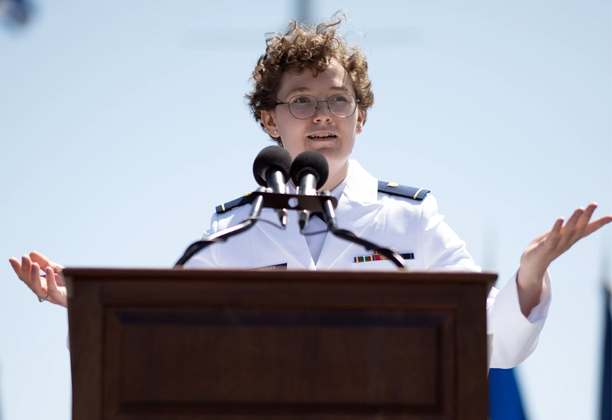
pixel 271 169
pixel 309 172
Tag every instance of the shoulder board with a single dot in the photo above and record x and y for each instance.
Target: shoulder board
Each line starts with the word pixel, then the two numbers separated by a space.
pixel 240 201
pixel 393 188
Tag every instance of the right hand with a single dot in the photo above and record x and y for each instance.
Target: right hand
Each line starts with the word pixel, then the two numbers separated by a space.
pixel 52 282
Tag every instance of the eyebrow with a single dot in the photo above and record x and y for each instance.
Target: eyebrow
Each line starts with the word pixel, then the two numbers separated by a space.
pixel 306 89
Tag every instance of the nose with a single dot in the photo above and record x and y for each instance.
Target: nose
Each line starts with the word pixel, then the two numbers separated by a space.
pixel 322 113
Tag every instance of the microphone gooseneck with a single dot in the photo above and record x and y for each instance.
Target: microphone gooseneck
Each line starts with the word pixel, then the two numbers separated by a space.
pixel 271 169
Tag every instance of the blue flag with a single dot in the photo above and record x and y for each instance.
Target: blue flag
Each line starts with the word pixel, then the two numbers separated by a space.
pixel 504 396
pixel 606 388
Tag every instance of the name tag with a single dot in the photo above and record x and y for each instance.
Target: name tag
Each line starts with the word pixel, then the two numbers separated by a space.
pixel 378 257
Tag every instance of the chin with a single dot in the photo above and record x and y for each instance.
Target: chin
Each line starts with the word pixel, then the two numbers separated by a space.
pixel 329 153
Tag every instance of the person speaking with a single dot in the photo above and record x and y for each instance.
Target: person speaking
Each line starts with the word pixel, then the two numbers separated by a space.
pixel 312 92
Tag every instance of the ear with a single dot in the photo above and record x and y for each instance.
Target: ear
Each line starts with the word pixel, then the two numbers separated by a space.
pixel 360 120
pixel 269 121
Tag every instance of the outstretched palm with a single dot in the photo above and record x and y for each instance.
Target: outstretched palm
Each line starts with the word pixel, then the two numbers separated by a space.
pixel 49 286
pixel 548 246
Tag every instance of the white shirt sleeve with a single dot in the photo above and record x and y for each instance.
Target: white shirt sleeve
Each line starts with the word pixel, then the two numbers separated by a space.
pixel 515 337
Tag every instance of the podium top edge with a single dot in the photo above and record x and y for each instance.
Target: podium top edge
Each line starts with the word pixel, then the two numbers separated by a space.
pixel 123 274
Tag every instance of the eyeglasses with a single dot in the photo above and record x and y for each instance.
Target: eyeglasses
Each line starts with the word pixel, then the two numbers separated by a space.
pixel 303 107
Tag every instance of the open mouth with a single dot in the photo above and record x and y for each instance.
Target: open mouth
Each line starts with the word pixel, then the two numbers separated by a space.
pixel 322 136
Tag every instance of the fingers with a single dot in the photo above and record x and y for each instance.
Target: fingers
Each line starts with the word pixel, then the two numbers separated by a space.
pixel 22 269
pixel 550 239
pixel 44 262
pixel 556 230
pixel 595 225
pixel 16 266
pixel 51 284
pixel 29 273
pixel 59 277
pixel 582 223
pixel 26 268
pixel 584 227
pixel 565 241
pixel 579 226
pixel 37 283
pixel 550 235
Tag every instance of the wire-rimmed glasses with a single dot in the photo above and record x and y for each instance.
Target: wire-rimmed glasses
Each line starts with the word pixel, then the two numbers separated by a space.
pixel 303 107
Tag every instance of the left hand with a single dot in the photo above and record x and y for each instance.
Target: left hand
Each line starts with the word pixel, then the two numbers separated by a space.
pixel 547 247
pixel 49 286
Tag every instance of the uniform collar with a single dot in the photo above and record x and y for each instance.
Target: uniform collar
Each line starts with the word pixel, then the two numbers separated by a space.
pixel 360 185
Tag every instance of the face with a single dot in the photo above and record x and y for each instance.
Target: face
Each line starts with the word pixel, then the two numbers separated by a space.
pixel 331 136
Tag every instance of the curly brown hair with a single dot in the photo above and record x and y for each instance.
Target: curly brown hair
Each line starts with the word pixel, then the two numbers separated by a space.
pixel 302 47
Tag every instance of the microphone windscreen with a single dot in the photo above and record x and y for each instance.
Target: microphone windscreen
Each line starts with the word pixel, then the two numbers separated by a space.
pixel 271 157
pixel 310 162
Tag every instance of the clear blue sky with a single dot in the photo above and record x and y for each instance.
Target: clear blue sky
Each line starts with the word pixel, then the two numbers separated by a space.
pixel 123 124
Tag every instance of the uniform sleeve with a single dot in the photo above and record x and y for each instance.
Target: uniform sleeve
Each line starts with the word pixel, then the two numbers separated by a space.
pixel 515 337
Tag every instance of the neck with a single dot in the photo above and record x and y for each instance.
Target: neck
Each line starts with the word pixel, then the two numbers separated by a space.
pixel 336 176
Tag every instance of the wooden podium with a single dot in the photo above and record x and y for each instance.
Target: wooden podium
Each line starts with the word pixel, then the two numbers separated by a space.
pixel 200 344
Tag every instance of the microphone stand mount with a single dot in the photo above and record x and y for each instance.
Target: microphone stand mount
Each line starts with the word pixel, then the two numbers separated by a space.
pixel 263 197
pixel 260 198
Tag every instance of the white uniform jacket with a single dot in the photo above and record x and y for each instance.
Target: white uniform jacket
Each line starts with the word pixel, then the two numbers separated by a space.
pixel 407 226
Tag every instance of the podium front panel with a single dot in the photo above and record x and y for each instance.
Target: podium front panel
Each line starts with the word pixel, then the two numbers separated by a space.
pixel 248 345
